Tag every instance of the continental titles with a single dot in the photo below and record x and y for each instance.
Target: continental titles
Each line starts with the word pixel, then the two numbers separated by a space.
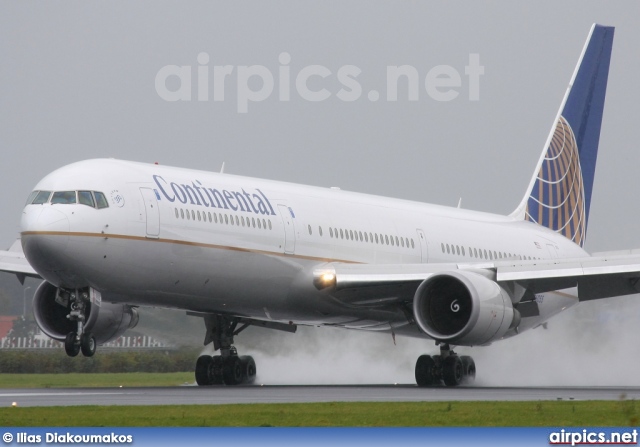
pixel 196 193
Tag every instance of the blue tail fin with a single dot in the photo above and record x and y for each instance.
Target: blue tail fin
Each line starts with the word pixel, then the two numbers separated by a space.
pixel 559 195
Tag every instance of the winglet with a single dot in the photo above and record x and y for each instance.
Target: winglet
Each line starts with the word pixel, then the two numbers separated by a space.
pixel 559 194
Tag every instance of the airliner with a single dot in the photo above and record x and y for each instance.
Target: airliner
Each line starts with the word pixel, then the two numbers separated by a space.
pixel 107 236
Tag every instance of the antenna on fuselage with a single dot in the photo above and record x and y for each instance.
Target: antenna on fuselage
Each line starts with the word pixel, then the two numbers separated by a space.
pixel 222 168
pixel 460 202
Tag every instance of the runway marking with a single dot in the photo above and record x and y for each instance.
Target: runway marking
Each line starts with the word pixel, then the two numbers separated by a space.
pixel 68 394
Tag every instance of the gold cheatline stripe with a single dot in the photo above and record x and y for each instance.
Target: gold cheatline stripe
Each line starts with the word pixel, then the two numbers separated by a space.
pixel 179 242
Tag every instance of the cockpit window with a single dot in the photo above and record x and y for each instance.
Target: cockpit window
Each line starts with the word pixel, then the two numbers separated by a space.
pixel 86 198
pixel 94 199
pixel 41 197
pixel 101 200
pixel 31 197
pixel 65 197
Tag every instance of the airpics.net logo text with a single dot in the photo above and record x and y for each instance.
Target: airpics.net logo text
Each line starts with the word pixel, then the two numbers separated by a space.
pixel 256 83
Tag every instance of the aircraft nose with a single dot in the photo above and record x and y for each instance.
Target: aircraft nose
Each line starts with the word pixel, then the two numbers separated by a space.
pixel 45 235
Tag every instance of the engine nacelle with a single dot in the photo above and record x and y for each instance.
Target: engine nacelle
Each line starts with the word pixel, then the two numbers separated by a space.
pixel 463 308
pixel 106 321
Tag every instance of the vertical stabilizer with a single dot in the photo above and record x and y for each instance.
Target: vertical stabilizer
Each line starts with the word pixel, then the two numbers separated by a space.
pixel 559 194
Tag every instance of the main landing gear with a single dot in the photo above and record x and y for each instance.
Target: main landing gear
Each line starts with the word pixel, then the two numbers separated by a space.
pixel 227 368
pixel 447 367
pixel 78 340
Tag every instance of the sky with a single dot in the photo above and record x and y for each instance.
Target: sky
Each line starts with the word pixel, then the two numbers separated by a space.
pixel 79 80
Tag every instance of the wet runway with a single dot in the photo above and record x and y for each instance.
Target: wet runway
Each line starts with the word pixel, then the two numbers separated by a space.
pixel 286 394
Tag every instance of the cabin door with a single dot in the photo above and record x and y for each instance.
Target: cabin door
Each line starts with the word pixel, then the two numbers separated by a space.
pixel 422 240
pixel 289 229
pixel 152 211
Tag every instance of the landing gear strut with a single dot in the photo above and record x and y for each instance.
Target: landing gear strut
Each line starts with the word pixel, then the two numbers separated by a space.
pixel 447 367
pixel 77 341
pixel 227 368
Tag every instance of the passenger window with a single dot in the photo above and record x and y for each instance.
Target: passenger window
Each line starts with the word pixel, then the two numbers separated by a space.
pixel 42 197
pixel 188 215
pixel 397 241
pixel 182 213
pixel 199 218
pixel 412 245
pixel 270 228
pixel 209 213
pixel 177 215
pixel 386 239
pixel 309 229
pixel 193 215
pixel 341 234
pixel 64 197
pixel 319 228
pixel 330 232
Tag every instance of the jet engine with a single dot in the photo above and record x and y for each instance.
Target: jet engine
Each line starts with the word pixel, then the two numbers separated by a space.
pixel 106 321
pixel 463 308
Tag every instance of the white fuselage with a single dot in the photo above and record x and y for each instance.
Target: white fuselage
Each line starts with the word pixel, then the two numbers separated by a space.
pixel 219 243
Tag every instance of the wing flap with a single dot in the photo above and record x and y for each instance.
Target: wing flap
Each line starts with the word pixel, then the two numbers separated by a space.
pixel 595 277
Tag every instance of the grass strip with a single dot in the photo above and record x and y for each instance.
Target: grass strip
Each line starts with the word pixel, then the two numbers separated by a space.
pixel 334 414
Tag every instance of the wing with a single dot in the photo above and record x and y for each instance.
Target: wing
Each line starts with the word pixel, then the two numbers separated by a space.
pixel 596 277
pixel 14 261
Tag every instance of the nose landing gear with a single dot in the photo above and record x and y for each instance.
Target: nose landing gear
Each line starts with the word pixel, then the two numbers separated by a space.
pixel 77 341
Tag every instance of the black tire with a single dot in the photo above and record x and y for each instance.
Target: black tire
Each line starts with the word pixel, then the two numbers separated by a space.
pixel 425 371
pixel 232 371
pixel 70 347
pixel 88 344
pixel 249 369
pixel 452 370
pixel 202 370
pixel 468 368
pixel 215 371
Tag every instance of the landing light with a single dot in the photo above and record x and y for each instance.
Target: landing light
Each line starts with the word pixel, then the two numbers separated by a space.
pixel 324 280
pixel 328 278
